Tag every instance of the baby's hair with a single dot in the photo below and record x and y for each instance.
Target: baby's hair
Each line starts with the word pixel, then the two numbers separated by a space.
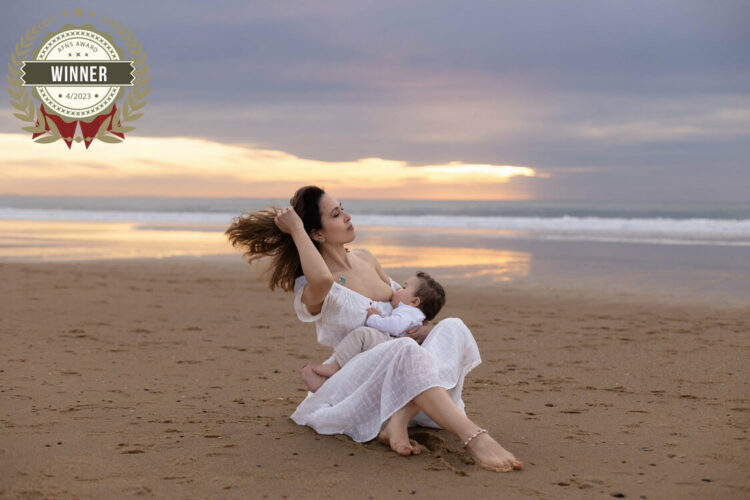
pixel 431 295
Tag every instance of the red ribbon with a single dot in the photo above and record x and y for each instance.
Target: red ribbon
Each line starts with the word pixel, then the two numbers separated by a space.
pixel 68 129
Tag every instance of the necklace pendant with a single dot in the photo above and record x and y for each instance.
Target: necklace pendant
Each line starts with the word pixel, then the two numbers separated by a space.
pixel 342 280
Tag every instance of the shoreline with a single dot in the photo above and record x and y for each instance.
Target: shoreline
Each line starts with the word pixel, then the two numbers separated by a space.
pixel 680 273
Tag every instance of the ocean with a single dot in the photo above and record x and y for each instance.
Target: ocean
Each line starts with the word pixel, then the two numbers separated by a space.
pixel 721 224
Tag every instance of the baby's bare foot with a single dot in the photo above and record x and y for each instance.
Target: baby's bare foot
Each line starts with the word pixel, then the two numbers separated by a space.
pixel 491 455
pixel 326 370
pixel 397 437
pixel 312 380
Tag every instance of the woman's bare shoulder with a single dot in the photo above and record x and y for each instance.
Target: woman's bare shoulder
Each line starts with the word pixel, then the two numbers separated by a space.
pixel 366 255
pixel 362 251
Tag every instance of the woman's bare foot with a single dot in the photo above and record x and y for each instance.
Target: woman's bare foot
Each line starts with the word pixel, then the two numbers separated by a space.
pixel 326 370
pixel 396 435
pixel 491 455
pixel 401 445
pixel 312 380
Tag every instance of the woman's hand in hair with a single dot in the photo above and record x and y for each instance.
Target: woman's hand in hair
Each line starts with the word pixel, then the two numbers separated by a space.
pixel 288 221
pixel 419 333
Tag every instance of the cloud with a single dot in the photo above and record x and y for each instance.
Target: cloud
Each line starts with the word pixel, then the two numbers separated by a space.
pixel 180 165
pixel 681 126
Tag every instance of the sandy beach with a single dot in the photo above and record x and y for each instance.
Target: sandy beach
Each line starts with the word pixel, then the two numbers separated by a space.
pixel 175 378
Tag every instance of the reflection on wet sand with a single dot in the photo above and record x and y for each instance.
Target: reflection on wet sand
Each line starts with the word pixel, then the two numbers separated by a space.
pixel 394 247
pixel 497 265
pixel 59 240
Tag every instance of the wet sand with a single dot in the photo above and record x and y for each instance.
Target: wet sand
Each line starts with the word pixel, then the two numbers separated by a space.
pixel 175 378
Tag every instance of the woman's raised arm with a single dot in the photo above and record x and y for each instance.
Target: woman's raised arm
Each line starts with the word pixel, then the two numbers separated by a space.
pixel 318 276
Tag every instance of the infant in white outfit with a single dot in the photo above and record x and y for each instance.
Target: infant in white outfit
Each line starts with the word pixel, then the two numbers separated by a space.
pixel 420 299
pixel 403 317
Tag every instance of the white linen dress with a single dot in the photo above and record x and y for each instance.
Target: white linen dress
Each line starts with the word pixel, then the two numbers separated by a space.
pixel 373 385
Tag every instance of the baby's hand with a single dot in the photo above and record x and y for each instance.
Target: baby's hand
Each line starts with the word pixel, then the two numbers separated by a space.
pixel 371 311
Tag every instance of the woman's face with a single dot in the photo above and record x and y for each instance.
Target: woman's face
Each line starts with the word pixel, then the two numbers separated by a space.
pixel 337 226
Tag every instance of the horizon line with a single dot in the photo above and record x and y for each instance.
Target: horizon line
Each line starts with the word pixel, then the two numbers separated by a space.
pixel 537 200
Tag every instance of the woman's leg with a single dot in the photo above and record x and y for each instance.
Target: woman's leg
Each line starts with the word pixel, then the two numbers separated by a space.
pixel 455 352
pixel 438 405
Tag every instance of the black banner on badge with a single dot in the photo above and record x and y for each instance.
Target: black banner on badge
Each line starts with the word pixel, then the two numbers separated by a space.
pixel 77 73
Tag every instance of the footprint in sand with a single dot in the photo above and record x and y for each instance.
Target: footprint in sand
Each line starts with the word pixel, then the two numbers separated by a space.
pixel 444 456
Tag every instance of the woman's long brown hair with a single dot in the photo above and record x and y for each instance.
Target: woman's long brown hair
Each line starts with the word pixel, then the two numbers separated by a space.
pixel 258 234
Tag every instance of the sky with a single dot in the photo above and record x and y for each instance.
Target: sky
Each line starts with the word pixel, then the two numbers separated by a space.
pixel 616 100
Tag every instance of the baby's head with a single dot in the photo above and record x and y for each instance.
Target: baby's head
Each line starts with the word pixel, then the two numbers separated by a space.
pixel 423 292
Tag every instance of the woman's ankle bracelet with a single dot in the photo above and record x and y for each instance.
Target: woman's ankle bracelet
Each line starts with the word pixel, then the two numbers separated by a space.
pixel 478 432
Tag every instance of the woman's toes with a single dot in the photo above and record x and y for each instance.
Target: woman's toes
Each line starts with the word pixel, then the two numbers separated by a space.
pixel 493 468
pixel 504 467
pixel 402 449
pixel 405 448
pixel 415 448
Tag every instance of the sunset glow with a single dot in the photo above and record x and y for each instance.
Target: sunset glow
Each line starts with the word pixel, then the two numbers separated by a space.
pixel 175 165
pixel 64 240
pixel 456 171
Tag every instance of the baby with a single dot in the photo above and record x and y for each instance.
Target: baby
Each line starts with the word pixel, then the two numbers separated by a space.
pixel 420 299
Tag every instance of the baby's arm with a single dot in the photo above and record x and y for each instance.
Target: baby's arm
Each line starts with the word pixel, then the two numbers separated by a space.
pixel 394 325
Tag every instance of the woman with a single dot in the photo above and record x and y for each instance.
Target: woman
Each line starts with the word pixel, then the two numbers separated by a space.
pixel 397 382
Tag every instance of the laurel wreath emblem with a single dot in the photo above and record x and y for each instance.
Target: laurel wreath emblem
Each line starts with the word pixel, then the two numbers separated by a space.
pixel 22 101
